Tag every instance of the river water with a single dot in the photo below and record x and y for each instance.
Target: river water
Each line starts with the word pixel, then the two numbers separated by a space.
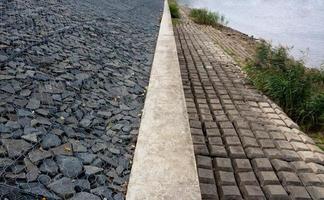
pixel 292 23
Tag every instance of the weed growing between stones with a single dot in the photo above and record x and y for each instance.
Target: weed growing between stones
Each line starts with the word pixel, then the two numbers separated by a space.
pixel 297 89
pixel 174 9
pixel 204 16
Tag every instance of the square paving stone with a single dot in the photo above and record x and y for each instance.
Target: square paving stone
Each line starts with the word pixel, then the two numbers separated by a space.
pixel 261 135
pixel 308 156
pixel 215 140
pixel 267 178
pixel 289 178
pixel 245 132
pixel 196 139
pixel 249 142
pixel 223 164
pixel 213 132
pixel 299 146
pixel 232 141
pixel 201 149
pixel 273 153
pixel 292 137
pixel 298 193
pixel 204 162
pixel 261 164
pixel 252 192
pixel 300 167
pixel 310 179
pixel 281 165
pixel 236 152
pixel 210 125
pixel 226 125
pixel 316 192
pixel 229 132
pixel 242 165
pixel 283 144
pixel 277 135
pixel 230 193
pixel 196 131
pixel 247 178
pixel 314 148
pixel 275 192
pixel 217 151
pixel 208 191
pixel 289 155
pixel 252 152
pixel 206 175
pixel 225 178
pixel 317 168
pixel 266 144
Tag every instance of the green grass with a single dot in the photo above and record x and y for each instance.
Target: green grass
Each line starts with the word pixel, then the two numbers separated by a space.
pixel 204 16
pixel 174 9
pixel 298 90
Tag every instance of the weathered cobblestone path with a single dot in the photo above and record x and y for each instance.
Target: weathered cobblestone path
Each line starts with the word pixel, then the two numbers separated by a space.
pixel 245 146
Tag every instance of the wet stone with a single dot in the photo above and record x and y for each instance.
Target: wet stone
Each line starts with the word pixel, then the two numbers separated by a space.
pixel 274 192
pixel 297 192
pixel 252 192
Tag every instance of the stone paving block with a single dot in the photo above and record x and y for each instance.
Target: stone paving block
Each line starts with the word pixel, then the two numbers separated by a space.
pixel 291 136
pixel 229 132
pixel 256 126
pixel 230 193
pixel 232 140
pixel 208 191
pixel 283 144
pixel 266 143
pixel 210 125
pixel 316 193
pixel 219 151
pixel 289 155
pixel 310 179
pixel 317 168
pixel 261 135
pixel 245 132
pixel 215 141
pixel 261 164
pixel 236 152
pixel 298 193
pixel 252 192
pixel 308 156
pixel 195 124
pixel 306 139
pixel 281 165
pixel 314 148
pixel 252 152
pixel 299 146
pixel 320 158
pixel 221 118
pixel 242 165
pixel 201 149
pixel 267 178
pixel 204 162
pixel 226 125
pixel 288 178
pixel 273 153
pixel 197 139
pixel 247 178
pixel 240 123
pixel 249 142
pixel 206 175
pixel 301 166
pixel 225 178
pixel 277 135
pixel 223 164
pixel 213 132
pixel 195 131
pixel 275 192
pixel 321 177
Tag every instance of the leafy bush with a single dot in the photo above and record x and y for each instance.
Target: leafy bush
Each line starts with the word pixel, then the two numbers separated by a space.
pixel 174 9
pixel 298 90
pixel 204 16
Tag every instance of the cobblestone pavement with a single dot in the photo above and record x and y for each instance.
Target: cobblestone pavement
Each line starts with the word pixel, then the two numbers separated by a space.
pixel 72 86
pixel 245 146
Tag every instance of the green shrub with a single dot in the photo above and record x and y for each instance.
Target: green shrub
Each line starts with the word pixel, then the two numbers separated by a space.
pixel 174 9
pixel 204 16
pixel 298 90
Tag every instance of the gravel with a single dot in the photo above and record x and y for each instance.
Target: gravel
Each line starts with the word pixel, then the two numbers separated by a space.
pixel 72 86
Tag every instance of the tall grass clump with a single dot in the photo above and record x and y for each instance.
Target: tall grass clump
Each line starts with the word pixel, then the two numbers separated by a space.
pixel 204 16
pixel 297 89
pixel 174 9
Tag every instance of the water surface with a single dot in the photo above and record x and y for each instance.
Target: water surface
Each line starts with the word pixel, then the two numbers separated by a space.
pixel 292 23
